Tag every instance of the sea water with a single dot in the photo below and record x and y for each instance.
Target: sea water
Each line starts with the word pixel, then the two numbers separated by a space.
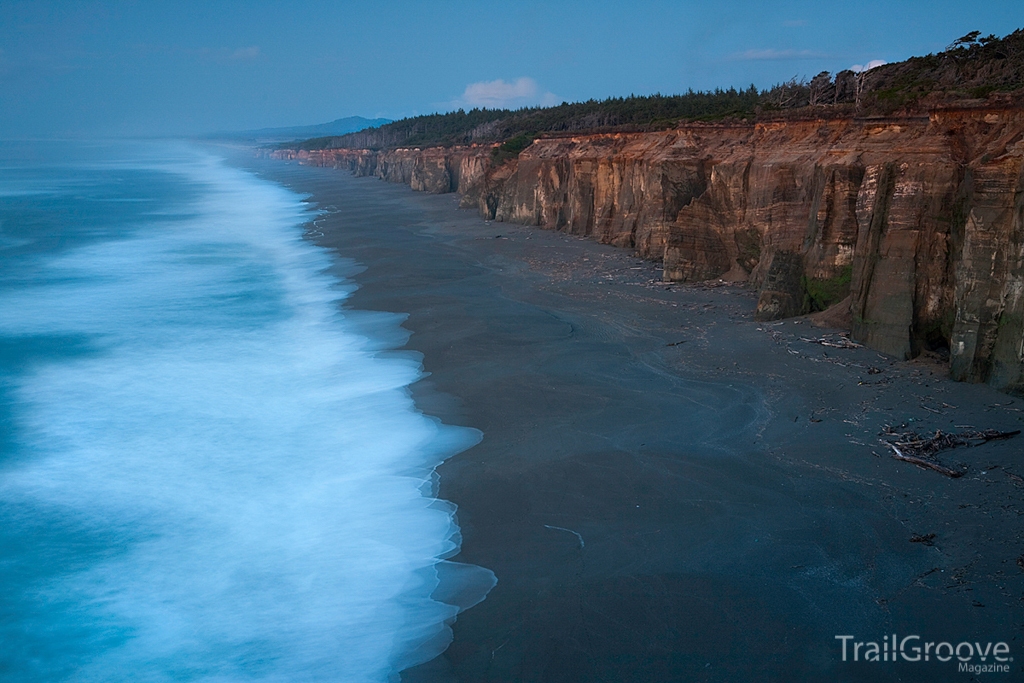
pixel 208 472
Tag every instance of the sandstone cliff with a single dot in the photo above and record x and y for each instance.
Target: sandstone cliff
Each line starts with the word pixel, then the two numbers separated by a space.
pixel 914 224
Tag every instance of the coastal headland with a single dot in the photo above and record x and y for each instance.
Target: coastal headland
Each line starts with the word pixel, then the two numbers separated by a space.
pixel 667 488
pixel 909 228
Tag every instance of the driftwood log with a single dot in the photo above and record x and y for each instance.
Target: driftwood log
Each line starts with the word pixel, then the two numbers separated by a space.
pixel 921 451
pixel 835 343
pixel 942 440
pixel 921 462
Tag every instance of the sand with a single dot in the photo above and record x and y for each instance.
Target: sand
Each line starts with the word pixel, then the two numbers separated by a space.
pixel 666 489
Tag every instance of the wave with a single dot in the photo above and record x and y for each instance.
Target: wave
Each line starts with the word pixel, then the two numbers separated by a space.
pixel 228 481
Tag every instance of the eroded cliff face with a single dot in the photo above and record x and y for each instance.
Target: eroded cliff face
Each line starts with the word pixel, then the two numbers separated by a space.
pixel 435 169
pixel 916 225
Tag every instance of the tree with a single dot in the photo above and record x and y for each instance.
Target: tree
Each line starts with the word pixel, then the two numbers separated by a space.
pixel 964 41
pixel 820 86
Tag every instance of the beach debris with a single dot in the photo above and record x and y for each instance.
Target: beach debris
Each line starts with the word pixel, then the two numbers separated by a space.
pixel 921 451
pixel 925 539
pixel 940 441
pixel 922 462
pixel 840 341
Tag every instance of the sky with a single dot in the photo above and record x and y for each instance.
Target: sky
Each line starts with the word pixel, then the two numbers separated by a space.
pixel 177 68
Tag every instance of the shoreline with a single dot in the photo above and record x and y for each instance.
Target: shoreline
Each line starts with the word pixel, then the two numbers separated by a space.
pixel 666 488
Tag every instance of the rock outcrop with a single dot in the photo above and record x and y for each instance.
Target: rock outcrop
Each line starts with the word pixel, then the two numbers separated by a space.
pixel 915 223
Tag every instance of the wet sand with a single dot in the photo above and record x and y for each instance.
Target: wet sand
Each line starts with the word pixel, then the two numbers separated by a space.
pixel 666 489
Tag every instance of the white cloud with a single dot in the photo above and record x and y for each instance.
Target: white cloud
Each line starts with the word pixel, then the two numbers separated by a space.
pixel 771 54
pixel 251 52
pixel 858 68
pixel 522 92
pixel 222 54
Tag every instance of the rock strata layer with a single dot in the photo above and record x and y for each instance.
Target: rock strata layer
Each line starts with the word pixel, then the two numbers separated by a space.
pixel 915 223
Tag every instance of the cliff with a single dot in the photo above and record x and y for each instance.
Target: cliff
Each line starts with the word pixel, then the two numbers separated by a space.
pixel 914 225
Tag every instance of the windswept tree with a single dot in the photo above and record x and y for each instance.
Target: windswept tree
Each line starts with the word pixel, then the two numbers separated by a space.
pixel 821 89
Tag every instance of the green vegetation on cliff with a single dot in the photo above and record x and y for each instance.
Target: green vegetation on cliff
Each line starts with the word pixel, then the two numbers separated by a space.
pixel 511 148
pixel 821 293
pixel 970 68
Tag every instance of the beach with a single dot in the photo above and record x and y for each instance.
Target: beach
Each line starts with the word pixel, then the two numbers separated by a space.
pixel 666 489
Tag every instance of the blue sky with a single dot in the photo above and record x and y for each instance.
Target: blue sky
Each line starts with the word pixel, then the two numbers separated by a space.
pixel 130 68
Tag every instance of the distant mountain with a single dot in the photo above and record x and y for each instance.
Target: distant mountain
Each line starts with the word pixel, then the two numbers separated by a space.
pixel 348 124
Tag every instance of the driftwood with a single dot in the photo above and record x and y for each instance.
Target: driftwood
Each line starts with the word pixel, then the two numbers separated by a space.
pixel 921 451
pixel 837 343
pixel 941 441
pixel 921 462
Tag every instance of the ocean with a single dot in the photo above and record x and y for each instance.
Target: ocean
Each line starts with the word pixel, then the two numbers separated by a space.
pixel 210 468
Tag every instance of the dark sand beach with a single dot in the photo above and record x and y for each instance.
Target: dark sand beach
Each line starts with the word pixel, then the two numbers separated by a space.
pixel 666 489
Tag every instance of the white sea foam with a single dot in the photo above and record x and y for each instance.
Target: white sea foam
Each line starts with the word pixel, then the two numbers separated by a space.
pixel 251 478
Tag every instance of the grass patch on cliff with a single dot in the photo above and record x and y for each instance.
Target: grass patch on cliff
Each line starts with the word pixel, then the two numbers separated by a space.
pixel 821 293
pixel 511 148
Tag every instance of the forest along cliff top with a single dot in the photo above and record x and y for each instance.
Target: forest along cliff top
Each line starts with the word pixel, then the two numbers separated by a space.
pixel 972 70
